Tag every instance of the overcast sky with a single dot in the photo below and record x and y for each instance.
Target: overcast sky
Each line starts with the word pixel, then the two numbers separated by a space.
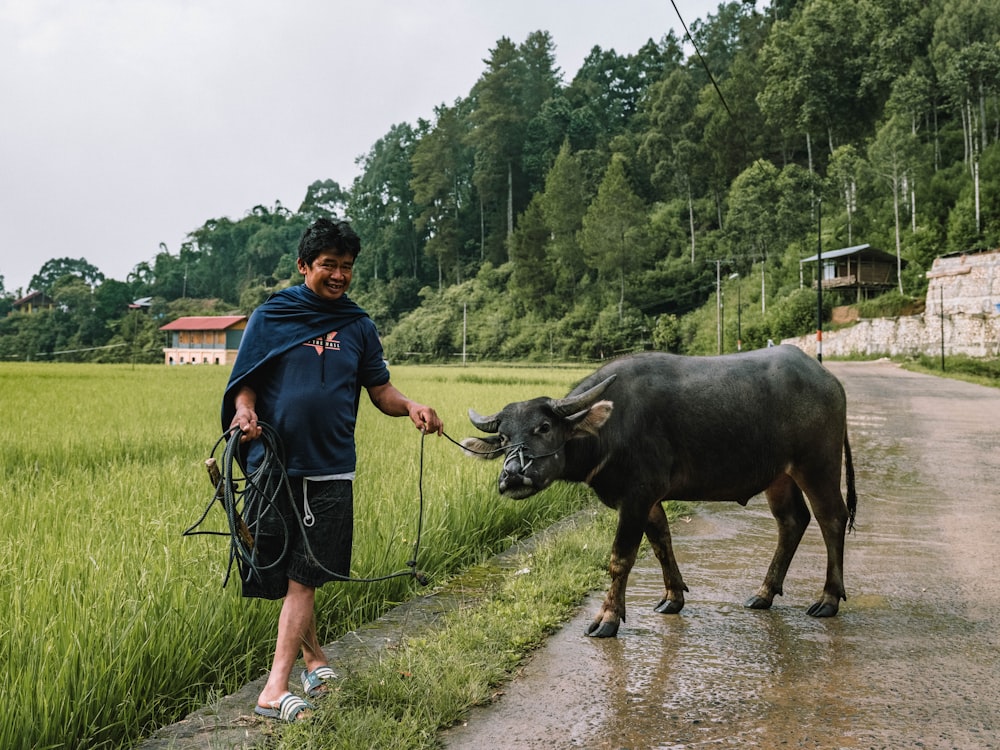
pixel 129 123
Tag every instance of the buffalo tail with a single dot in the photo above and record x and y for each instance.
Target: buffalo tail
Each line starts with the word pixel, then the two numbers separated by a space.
pixel 852 495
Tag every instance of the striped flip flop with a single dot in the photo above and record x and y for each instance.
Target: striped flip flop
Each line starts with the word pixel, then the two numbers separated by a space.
pixel 314 683
pixel 288 708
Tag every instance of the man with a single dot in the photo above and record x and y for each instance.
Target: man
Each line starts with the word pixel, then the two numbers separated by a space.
pixel 305 356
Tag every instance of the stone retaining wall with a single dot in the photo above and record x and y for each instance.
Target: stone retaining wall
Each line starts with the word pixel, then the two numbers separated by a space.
pixel 962 311
pixel 971 335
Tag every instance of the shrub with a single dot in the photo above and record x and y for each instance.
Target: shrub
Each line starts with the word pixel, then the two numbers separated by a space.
pixel 888 305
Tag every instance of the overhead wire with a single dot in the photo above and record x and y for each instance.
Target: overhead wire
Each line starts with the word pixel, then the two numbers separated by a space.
pixel 711 76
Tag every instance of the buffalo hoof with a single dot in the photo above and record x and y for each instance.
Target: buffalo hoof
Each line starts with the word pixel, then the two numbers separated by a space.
pixel 823 609
pixel 668 607
pixel 757 602
pixel 599 629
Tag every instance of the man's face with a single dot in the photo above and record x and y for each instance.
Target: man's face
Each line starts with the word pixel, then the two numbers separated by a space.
pixel 329 275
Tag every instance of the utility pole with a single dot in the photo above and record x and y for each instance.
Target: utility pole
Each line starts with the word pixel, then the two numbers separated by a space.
pixel 763 304
pixel 941 304
pixel 739 317
pixel 718 298
pixel 718 303
pixel 819 279
pixel 739 312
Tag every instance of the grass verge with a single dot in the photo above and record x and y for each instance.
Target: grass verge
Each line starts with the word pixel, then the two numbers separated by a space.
pixel 976 370
pixel 969 369
pixel 432 680
pixel 126 618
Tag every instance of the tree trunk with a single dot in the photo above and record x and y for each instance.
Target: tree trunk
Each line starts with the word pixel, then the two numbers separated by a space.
pixel 975 181
pixel 895 211
pixel 967 134
pixel 621 276
pixel 621 296
pixel 937 143
pixel 510 200
pixel 982 118
pixel 849 205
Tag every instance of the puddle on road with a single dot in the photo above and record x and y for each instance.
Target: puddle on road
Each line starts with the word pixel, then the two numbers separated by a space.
pixel 718 674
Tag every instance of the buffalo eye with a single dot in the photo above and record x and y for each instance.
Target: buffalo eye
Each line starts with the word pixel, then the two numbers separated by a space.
pixel 504 440
pixel 543 428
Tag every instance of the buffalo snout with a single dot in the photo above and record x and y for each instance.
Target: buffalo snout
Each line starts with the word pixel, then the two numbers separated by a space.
pixel 515 485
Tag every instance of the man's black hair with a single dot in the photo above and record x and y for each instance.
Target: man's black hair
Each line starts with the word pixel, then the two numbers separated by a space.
pixel 329 235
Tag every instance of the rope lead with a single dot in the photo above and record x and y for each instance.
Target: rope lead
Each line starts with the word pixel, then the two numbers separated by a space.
pixel 251 495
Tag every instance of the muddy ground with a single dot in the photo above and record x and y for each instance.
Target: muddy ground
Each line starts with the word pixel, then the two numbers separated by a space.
pixel 911 661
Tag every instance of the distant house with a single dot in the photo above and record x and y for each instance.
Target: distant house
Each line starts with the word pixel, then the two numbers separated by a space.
pixel 862 269
pixel 208 340
pixel 33 302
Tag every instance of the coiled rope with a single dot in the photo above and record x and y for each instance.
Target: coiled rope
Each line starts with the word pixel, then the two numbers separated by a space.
pixel 251 496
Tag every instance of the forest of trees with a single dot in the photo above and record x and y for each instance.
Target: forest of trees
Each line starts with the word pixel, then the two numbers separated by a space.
pixel 538 219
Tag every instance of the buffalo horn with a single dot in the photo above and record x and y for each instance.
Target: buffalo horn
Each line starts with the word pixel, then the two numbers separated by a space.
pixel 564 407
pixel 486 424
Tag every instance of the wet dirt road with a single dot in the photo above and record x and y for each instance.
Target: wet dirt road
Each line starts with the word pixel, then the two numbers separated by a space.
pixel 911 661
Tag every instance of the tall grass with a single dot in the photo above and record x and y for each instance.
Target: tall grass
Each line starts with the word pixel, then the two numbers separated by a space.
pixel 113 623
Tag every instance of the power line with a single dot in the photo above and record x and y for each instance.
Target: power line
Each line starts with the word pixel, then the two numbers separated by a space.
pixel 711 77
pixel 75 351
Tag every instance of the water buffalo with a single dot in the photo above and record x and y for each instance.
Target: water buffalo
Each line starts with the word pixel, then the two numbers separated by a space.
pixel 653 427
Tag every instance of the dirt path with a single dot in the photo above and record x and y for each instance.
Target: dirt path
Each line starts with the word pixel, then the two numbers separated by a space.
pixel 913 659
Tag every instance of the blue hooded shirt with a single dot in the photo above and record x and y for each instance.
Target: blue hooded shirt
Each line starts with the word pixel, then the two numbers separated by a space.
pixel 307 359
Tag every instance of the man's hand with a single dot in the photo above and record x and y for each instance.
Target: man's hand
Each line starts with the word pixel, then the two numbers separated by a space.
pixel 425 418
pixel 388 399
pixel 246 415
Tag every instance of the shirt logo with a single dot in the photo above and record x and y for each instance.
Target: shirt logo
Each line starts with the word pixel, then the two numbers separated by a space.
pixel 324 342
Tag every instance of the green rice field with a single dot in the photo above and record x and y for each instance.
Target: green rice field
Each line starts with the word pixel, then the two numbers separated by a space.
pixel 112 622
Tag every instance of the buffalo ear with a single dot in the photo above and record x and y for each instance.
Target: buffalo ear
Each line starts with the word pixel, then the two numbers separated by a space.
pixel 590 421
pixel 482 448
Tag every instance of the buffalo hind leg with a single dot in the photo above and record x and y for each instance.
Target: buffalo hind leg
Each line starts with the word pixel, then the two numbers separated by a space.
pixel 831 514
pixel 789 509
pixel 658 534
pixel 623 553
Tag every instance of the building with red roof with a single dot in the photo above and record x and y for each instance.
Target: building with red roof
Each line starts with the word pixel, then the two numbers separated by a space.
pixel 204 339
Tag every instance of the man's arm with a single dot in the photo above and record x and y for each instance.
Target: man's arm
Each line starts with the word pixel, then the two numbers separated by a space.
pixel 388 400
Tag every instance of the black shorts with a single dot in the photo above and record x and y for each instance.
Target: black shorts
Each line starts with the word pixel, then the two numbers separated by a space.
pixel 306 537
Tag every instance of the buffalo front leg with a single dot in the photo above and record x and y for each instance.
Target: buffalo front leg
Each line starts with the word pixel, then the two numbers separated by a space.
pixel 623 552
pixel 789 509
pixel 658 534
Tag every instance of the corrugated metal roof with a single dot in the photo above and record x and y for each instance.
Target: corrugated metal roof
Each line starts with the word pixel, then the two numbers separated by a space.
pixel 863 251
pixel 204 323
